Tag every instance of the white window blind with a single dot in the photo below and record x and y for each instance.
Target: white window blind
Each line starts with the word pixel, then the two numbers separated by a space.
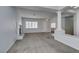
pixel 53 25
pixel 30 24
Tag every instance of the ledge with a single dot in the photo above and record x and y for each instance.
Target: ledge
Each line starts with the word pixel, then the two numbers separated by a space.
pixel 69 40
pixel 20 37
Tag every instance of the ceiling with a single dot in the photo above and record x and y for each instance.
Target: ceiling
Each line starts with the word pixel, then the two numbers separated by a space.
pixel 54 7
pixel 39 8
pixel 51 9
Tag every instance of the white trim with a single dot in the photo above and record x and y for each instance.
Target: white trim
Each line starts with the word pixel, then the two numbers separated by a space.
pixel 69 40
pixel 10 45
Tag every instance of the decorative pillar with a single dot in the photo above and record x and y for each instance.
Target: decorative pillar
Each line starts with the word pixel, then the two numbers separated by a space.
pixel 59 20
pixel 59 25
pixel 76 23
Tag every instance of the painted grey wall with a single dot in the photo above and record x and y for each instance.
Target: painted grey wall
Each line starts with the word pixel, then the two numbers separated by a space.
pixel 43 25
pixel 7 27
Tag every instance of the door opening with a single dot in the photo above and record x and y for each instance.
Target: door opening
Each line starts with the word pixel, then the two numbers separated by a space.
pixel 69 25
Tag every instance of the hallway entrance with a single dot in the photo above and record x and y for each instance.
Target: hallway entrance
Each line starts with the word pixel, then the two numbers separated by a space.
pixel 69 25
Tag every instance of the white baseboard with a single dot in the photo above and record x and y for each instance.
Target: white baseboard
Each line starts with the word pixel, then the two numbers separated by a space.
pixel 20 37
pixel 12 43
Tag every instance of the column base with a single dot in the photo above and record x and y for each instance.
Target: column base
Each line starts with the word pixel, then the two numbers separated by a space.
pixel 61 32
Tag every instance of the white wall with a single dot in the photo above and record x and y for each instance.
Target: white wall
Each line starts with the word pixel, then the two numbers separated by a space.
pixel 43 26
pixel 63 23
pixel 31 14
pixel 7 27
pixel 75 30
pixel 54 20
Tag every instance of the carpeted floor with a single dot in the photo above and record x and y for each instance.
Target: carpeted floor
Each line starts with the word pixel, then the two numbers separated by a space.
pixel 40 43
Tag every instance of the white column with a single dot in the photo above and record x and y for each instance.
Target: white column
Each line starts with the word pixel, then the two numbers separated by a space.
pixel 59 25
pixel 59 20
pixel 76 22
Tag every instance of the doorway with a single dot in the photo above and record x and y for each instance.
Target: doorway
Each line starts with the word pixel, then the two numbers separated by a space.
pixel 69 25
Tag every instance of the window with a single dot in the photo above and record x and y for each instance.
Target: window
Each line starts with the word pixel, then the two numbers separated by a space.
pixel 30 24
pixel 53 25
